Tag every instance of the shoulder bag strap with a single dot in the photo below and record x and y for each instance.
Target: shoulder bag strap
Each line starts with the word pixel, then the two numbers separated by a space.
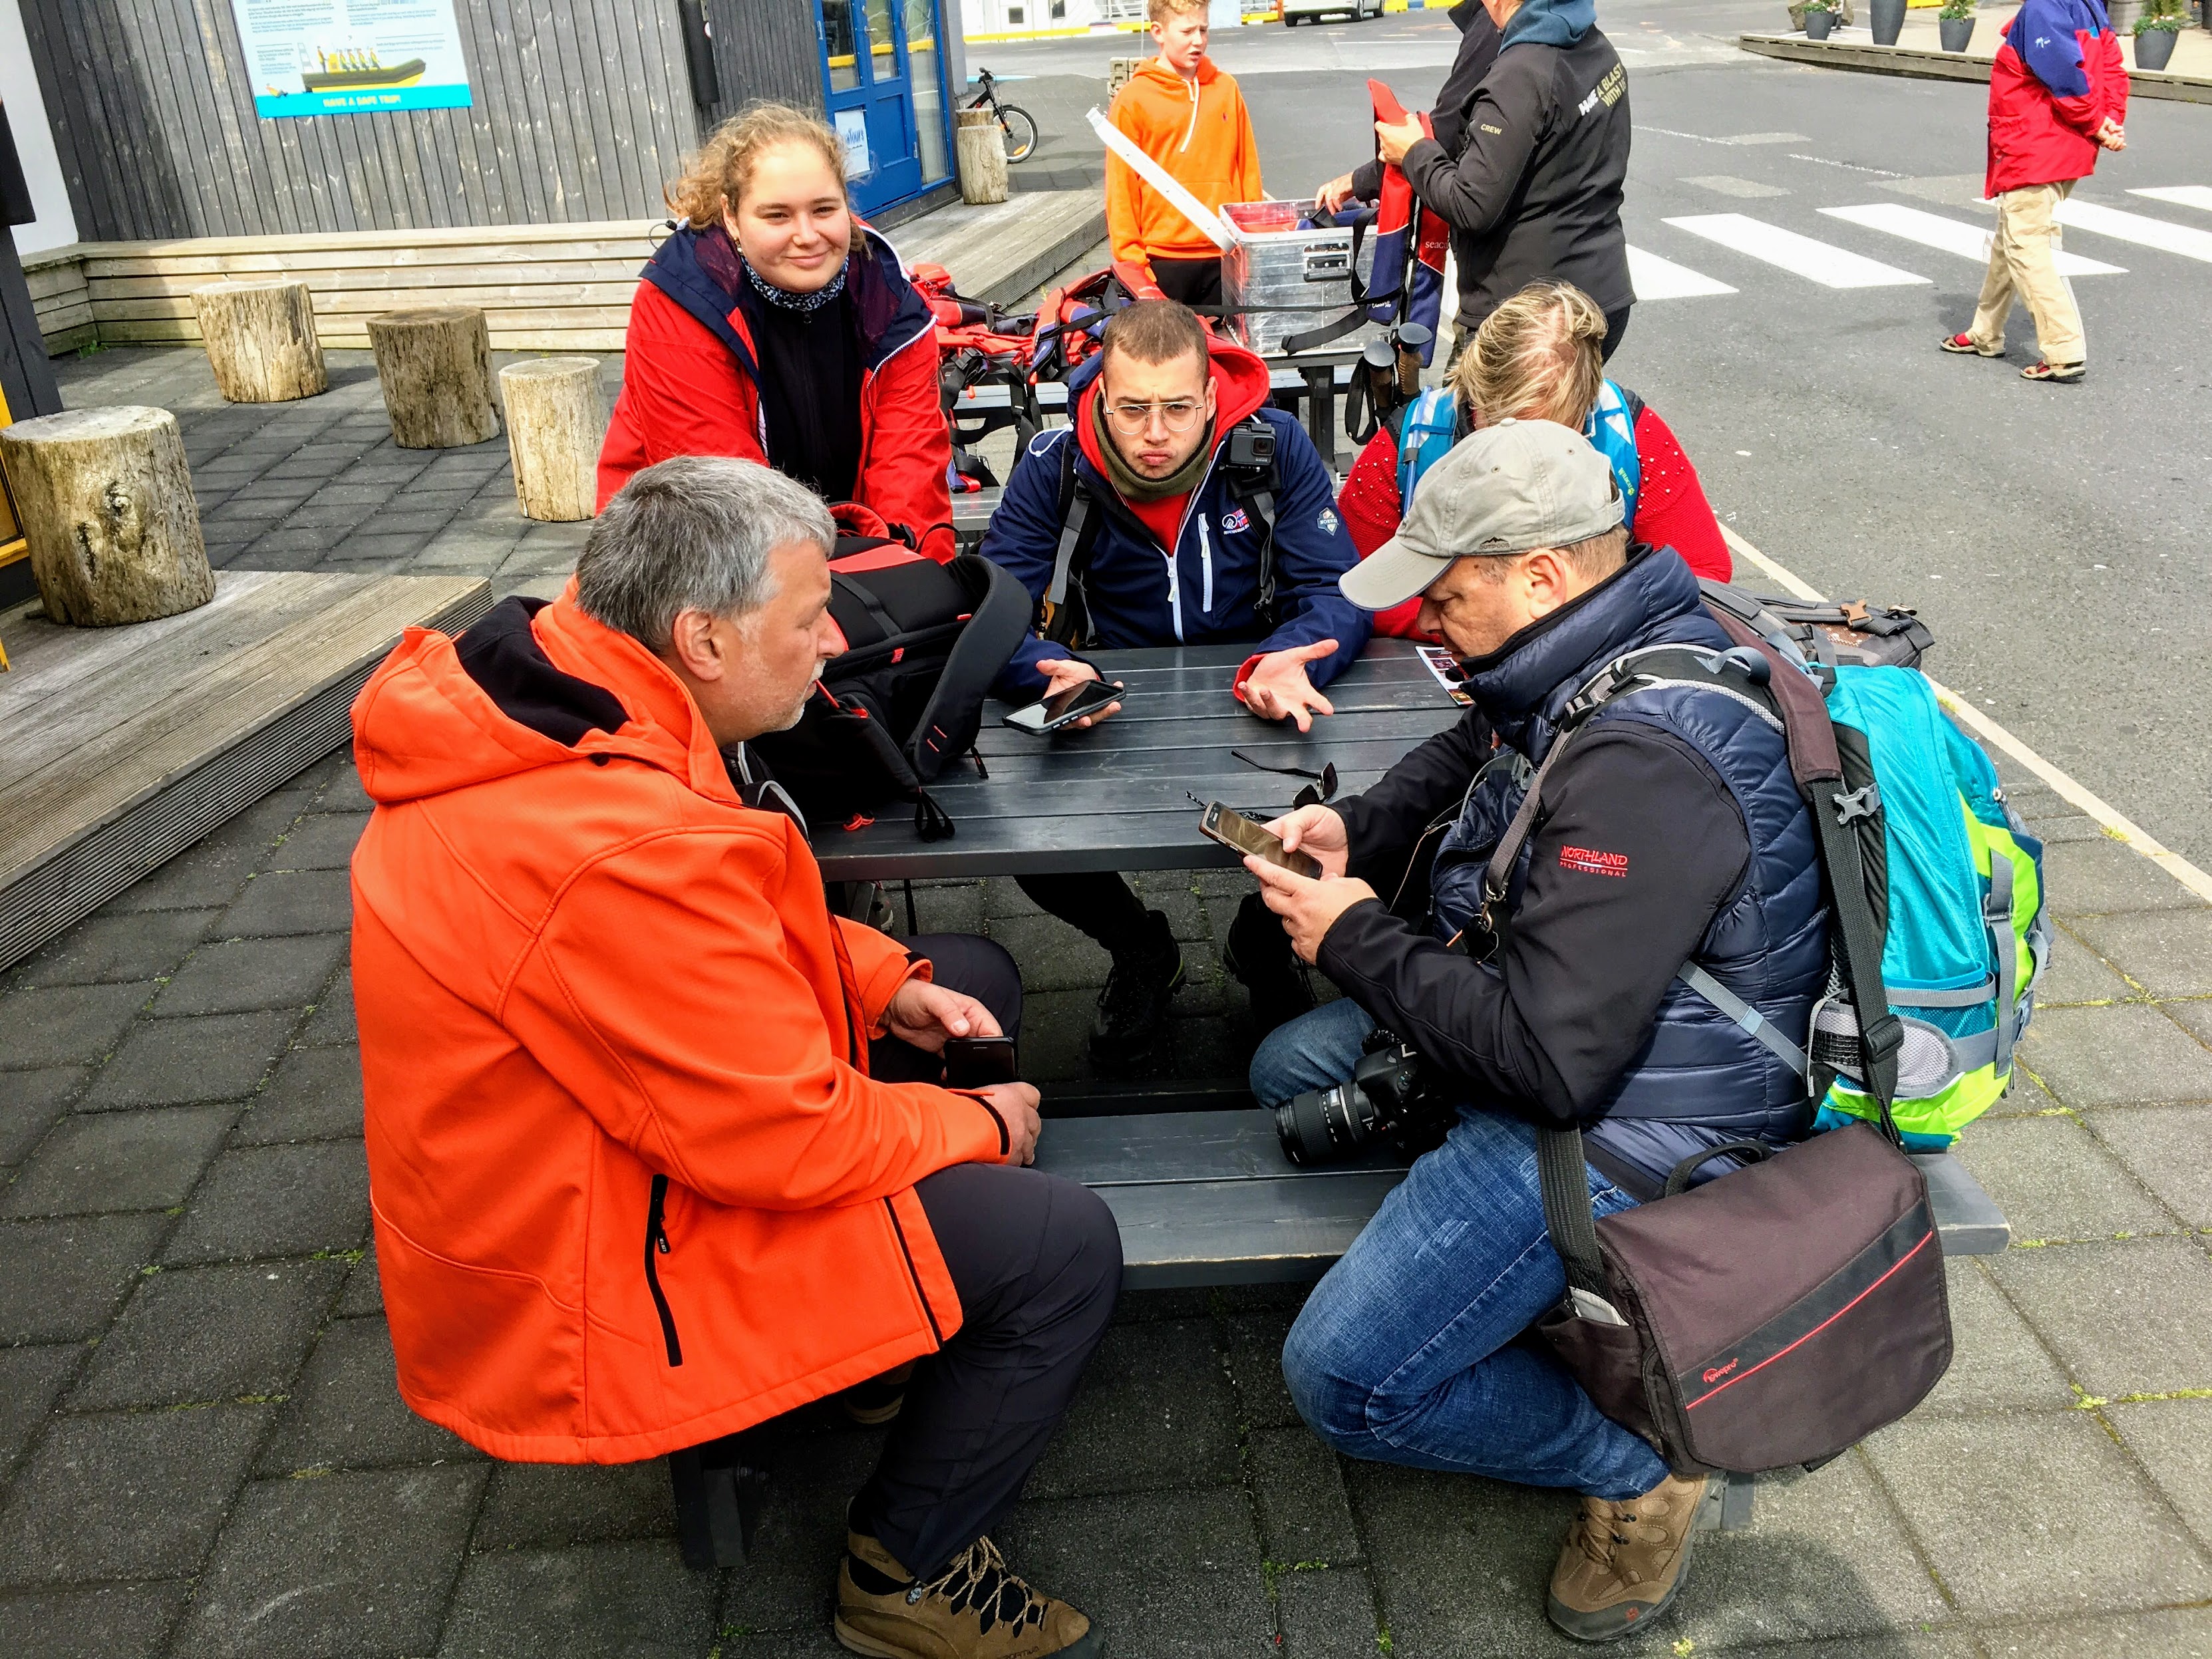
pixel 1078 534
pixel 1254 492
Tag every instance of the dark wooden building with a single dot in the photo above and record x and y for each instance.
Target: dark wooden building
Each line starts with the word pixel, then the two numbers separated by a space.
pixel 579 110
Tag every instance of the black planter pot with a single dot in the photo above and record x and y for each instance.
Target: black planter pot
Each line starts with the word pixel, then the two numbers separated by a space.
pixel 1888 18
pixel 1956 32
pixel 1818 23
pixel 2154 49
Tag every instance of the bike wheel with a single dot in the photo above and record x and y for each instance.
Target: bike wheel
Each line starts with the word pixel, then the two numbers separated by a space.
pixel 1020 129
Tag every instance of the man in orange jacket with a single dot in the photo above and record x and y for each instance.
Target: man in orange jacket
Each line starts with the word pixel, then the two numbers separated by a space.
pixel 657 1147
pixel 1189 117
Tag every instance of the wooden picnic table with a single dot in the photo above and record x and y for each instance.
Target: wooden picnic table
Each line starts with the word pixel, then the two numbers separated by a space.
pixel 1116 797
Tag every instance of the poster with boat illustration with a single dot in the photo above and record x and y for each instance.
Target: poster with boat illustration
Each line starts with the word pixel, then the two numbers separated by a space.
pixel 351 57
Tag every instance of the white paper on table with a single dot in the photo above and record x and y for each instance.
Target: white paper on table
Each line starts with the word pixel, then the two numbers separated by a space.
pixel 1210 225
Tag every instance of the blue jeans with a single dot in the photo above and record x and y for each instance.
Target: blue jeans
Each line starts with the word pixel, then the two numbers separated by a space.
pixel 1406 1352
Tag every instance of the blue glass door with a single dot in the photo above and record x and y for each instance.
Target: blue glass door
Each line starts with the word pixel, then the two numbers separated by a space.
pixel 870 86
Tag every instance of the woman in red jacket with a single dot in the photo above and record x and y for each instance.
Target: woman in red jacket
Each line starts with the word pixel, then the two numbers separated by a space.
pixel 1536 357
pixel 775 326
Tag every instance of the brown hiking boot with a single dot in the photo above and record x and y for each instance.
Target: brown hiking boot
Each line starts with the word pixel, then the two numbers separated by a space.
pixel 975 1609
pixel 1622 1563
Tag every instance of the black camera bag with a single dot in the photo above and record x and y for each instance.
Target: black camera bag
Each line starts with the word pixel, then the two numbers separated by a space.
pixel 924 642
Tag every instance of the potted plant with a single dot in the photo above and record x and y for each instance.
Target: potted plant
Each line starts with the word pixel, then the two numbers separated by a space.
pixel 1886 19
pixel 1955 23
pixel 1820 18
pixel 2155 33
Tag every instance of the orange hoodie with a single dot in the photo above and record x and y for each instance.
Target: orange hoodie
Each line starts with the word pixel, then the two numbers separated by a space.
pixel 633 1186
pixel 1200 131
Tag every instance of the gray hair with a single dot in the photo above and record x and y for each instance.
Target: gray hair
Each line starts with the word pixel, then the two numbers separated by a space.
pixel 693 533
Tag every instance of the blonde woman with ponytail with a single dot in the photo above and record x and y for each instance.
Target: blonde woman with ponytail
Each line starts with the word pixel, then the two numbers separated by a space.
pixel 1537 357
pixel 774 326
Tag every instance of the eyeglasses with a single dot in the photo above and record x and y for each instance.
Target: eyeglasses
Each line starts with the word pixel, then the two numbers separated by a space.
pixel 1176 413
pixel 1322 789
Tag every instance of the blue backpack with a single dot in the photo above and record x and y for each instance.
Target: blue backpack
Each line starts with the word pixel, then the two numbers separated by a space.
pixel 1431 428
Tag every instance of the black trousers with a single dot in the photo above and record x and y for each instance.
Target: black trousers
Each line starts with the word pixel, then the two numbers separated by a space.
pixel 1096 903
pixel 1036 1260
pixel 1193 282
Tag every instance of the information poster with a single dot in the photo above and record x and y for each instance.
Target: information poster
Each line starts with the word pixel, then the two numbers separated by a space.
pixel 351 57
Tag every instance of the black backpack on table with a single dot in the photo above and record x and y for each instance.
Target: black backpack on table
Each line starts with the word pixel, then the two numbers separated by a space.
pixel 924 642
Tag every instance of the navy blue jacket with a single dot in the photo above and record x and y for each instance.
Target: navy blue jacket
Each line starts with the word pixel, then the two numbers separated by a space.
pixel 1206 594
pixel 1670 831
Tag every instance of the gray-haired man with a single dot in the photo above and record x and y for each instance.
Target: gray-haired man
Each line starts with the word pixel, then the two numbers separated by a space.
pixel 1668 833
pixel 660 1148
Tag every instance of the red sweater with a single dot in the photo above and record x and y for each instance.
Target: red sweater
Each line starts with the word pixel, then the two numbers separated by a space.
pixel 1671 509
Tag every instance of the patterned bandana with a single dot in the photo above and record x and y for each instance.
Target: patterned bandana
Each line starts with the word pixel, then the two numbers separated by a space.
pixel 804 304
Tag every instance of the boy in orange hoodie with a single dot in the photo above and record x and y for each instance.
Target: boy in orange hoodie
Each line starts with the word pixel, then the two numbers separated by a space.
pixel 1190 118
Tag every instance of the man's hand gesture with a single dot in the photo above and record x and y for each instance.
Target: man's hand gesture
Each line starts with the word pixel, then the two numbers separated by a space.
pixel 1277 685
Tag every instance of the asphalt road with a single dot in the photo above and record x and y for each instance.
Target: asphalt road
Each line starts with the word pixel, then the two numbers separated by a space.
pixel 2053 536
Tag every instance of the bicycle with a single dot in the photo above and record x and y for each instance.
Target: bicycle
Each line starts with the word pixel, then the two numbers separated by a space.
pixel 1019 126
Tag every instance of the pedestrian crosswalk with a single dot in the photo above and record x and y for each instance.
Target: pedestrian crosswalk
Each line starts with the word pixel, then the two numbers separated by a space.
pixel 1733 238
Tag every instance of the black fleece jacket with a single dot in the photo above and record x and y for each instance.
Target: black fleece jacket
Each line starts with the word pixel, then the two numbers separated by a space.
pixel 1478 50
pixel 1531 183
pixel 1637 845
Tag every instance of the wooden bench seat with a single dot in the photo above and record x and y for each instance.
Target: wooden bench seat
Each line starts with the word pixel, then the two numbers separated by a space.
pixel 1207 1198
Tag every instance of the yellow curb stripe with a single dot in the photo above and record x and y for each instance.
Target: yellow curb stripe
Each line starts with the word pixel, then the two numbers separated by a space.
pixel 2109 819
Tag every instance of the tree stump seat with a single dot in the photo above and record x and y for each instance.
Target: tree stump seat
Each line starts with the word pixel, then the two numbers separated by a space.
pixel 435 365
pixel 555 421
pixel 261 340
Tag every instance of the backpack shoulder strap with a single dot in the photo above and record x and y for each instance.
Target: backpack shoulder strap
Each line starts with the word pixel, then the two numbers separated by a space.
pixel 1078 535
pixel 994 629
pixel 1254 489
pixel 1430 424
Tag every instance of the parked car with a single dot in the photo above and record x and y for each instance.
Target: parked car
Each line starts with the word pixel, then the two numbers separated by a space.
pixel 1297 11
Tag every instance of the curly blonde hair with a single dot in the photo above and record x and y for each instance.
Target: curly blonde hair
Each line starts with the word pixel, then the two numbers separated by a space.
pixel 1537 357
pixel 717 175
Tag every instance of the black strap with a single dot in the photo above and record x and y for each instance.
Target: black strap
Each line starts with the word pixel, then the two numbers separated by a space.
pixel 1678 1178
pixel 1881 1033
pixel 1561 1177
pixel 1294 343
pixel 1066 611
pixel 858 593
pixel 1257 498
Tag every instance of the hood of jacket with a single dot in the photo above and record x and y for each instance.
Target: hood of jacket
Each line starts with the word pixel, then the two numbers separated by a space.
pixel 1240 388
pixel 446 713
pixel 2047 35
pixel 1158 81
pixel 1524 684
pixel 1551 22
pixel 703 272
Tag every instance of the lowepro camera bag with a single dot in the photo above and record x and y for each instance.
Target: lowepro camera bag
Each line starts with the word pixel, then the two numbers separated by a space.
pixel 924 642
pixel 1854 634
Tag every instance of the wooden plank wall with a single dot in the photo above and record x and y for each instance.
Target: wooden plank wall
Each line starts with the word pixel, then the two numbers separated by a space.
pixel 582 108
pixel 61 299
pixel 767 49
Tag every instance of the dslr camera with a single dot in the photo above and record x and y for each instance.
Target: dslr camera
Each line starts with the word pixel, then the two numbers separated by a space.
pixel 1392 1096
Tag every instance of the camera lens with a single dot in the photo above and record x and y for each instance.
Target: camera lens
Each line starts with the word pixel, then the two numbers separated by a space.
pixel 1324 1124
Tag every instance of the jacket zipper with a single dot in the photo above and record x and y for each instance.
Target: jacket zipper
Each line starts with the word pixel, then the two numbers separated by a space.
pixel 1174 582
pixel 656 1243
pixel 912 1273
pixel 1206 563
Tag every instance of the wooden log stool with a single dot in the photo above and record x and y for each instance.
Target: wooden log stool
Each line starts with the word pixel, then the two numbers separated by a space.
pixel 555 421
pixel 436 369
pixel 106 500
pixel 261 342
pixel 980 144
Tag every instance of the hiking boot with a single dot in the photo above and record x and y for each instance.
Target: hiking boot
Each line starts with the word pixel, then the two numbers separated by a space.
pixel 975 1609
pixel 1622 1563
pixel 875 1402
pixel 1257 954
pixel 1133 1008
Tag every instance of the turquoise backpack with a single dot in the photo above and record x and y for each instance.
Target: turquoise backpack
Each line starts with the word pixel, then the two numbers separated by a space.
pixel 1935 886
pixel 1431 427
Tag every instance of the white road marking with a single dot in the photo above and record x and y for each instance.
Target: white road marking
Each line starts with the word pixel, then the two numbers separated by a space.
pixel 1736 138
pixel 1655 278
pixel 2185 239
pixel 2108 818
pixel 1951 236
pixel 2196 195
pixel 1817 262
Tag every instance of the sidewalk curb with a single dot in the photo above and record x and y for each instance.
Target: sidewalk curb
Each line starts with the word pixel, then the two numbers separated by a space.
pixel 1917 63
pixel 2108 819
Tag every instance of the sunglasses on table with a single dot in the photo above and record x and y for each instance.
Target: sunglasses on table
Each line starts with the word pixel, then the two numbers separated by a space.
pixel 1322 789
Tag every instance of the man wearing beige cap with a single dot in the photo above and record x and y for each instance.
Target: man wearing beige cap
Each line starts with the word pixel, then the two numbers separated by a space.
pixel 1669 844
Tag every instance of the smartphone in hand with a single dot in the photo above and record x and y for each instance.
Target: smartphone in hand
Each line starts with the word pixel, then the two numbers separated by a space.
pixel 977 1062
pixel 1234 830
pixel 1064 707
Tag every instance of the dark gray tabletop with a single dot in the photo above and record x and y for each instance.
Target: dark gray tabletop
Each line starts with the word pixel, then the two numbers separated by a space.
pixel 1116 797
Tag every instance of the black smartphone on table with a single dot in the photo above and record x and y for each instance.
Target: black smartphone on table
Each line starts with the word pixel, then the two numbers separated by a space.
pixel 1063 707
pixel 1240 834
pixel 977 1062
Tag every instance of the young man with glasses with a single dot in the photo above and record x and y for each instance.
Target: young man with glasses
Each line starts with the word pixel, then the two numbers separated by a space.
pixel 1175 509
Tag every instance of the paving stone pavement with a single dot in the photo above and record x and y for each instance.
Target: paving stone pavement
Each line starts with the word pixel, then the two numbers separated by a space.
pixel 201 1451
pixel 320 485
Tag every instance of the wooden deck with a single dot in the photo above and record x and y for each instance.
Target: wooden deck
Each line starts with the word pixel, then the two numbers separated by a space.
pixel 542 287
pixel 123 746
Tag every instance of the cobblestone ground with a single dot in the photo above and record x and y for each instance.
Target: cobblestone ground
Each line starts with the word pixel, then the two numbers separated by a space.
pixel 201 1451
pixel 204 1452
